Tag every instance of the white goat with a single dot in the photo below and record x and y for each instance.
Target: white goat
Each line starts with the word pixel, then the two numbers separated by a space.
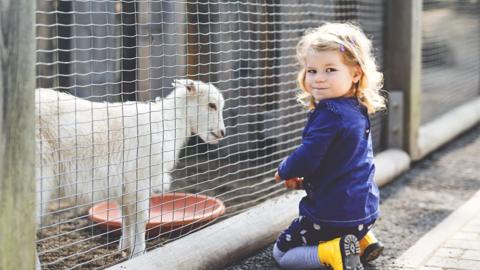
pixel 93 151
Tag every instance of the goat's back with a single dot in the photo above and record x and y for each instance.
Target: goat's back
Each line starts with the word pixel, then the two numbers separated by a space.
pixel 96 150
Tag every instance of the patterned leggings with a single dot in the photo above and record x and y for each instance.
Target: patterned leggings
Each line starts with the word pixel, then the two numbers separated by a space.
pixel 303 232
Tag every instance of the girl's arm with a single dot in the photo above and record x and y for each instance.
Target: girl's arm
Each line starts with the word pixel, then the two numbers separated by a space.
pixel 308 156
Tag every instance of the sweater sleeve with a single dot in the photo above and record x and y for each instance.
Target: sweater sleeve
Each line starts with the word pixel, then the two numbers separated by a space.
pixel 315 144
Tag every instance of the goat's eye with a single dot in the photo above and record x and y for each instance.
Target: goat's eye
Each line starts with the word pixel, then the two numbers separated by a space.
pixel 212 106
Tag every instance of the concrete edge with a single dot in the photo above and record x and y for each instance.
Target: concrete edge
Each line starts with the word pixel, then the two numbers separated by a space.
pixel 417 254
pixel 446 127
pixel 239 236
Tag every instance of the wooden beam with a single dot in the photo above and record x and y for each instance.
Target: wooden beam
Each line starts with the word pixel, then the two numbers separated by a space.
pixel 403 44
pixel 17 142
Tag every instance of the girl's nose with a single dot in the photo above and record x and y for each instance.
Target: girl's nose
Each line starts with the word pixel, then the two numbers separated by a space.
pixel 320 77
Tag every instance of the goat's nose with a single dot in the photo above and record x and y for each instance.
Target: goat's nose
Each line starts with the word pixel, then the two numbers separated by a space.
pixel 222 132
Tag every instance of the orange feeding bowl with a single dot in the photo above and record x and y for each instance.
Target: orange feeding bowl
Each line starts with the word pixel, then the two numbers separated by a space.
pixel 167 211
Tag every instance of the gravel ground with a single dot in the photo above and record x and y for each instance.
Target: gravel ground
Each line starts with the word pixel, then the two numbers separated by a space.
pixel 414 203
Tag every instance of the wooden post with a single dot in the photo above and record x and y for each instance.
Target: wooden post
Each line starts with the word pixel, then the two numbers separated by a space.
pixel 143 51
pixel 64 43
pixel 198 41
pixel 129 50
pixel 192 40
pixel 17 143
pixel 403 43
pixel 46 44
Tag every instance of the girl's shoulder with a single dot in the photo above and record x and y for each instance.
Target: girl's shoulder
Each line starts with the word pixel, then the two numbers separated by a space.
pixel 342 107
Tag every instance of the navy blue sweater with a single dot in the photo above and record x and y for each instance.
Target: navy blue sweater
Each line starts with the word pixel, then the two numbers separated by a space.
pixel 336 161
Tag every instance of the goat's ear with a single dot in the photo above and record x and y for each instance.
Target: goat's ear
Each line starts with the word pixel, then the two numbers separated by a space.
pixel 191 88
pixel 188 84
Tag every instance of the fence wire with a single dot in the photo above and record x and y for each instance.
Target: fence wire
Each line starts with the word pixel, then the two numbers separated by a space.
pixel 450 55
pixel 118 57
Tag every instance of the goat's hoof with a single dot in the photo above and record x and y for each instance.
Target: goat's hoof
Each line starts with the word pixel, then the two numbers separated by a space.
pixel 123 250
pixel 136 254
pixel 123 245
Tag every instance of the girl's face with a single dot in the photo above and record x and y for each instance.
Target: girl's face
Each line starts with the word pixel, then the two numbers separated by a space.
pixel 327 76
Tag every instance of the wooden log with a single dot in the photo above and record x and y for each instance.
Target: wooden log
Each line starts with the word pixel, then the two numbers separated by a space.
pixel 17 143
pixel 228 241
pixel 447 126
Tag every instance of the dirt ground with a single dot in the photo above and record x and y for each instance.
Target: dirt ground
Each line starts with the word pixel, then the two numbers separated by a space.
pixel 240 182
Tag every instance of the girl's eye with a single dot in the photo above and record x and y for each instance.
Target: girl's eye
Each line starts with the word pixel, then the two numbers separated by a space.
pixel 328 70
pixel 212 106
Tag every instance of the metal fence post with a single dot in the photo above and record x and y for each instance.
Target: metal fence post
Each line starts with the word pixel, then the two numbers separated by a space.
pixel 17 143
pixel 403 43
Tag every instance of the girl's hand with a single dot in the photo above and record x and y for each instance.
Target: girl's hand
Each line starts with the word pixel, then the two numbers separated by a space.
pixel 294 183
pixel 277 177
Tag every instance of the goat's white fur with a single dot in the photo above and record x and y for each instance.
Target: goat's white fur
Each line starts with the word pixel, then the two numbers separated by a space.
pixel 91 151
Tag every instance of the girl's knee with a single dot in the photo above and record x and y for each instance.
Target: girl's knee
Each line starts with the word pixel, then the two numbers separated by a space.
pixel 277 254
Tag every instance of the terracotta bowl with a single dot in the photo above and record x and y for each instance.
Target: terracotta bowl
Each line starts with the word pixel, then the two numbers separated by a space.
pixel 167 212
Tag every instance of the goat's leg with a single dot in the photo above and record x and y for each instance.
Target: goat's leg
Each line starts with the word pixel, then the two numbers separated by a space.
pixel 140 227
pixel 46 191
pixel 166 182
pixel 125 241
pixel 134 220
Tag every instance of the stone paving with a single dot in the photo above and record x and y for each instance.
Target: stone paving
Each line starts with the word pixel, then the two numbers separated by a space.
pixel 461 251
pixel 453 244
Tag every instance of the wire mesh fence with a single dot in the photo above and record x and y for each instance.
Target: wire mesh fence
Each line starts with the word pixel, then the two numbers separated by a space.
pixel 121 138
pixel 450 55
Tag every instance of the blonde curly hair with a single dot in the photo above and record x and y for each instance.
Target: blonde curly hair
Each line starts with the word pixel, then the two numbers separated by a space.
pixel 356 49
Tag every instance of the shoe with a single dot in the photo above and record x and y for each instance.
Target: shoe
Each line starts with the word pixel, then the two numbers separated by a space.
pixel 370 248
pixel 341 253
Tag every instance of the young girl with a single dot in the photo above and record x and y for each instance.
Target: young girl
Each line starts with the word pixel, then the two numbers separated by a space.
pixel 334 164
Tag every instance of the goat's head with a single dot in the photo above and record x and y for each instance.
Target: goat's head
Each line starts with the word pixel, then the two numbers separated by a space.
pixel 204 109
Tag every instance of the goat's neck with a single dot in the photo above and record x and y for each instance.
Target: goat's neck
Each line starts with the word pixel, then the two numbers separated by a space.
pixel 173 110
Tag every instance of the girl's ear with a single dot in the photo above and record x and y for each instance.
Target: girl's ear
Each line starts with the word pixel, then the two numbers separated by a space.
pixel 357 73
